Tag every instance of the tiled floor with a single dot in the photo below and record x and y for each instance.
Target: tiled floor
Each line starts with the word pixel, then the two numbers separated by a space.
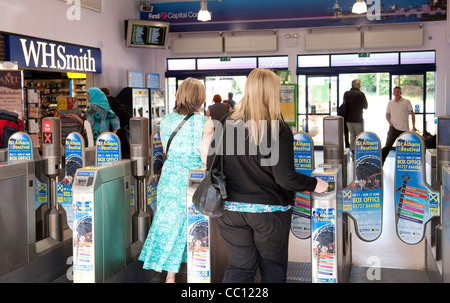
pixel 388 251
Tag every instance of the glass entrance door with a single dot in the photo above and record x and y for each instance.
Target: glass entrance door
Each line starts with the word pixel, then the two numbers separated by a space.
pixel 419 90
pixel 222 85
pixel 321 101
pixel 376 88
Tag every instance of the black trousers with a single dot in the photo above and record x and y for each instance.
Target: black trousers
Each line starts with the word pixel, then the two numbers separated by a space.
pixel 256 240
pixel 392 135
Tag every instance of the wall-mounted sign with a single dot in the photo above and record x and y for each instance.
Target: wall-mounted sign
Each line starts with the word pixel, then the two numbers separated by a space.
pixel 11 91
pixel 44 54
pixel 136 79
pixel 152 80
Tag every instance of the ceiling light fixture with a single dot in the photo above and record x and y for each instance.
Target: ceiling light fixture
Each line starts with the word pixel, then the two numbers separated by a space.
pixel 360 7
pixel 203 14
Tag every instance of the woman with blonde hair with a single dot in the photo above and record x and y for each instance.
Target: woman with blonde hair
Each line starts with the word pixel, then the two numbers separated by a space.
pixel 165 246
pixel 260 183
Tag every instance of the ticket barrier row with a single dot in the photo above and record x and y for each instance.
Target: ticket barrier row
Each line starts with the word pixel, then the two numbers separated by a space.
pixel 34 234
pixel 330 240
pixel 331 237
pixel 353 201
pixel 114 205
pixel 41 227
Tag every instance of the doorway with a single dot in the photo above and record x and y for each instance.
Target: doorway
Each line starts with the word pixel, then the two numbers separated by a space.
pixel 221 85
pixel 320 96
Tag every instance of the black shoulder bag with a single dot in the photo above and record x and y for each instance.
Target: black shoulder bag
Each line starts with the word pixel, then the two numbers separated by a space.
pixel 210 195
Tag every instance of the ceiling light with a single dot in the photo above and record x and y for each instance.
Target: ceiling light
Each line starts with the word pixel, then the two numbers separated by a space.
pixel 203 14
pixel 360 7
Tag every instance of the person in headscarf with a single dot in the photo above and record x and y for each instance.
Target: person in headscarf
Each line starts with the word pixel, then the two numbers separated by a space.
pixel 99 113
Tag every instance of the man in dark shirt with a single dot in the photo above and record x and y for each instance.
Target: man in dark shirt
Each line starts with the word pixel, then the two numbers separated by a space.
pixel 230 100
pixel 354 103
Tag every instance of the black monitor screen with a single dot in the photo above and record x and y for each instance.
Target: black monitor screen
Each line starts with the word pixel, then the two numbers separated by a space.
pixel 444 131
pixel 148 35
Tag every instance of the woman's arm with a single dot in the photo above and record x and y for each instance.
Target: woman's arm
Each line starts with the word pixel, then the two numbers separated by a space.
pixel 208 133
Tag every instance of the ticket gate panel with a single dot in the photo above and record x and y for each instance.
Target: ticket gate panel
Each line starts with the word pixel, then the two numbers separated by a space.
pixel 207 256
pixel 114 227
pixel 16 204
pixel 101 199
pixel 445 194
pixel 330 237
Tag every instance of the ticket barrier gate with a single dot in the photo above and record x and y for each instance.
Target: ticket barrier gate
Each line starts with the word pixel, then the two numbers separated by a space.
pixel 330 253
pixel 206 251
pixel 111 217
pixel 22 178
pixel 3 155
pixel 362 201
pixel 24 185
pixel 417 204
pixel 437 161
pixel 333 144
pixel 101 230
pixel 17 220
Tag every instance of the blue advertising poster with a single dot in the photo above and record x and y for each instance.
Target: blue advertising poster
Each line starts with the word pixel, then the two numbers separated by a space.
pixel 20 147
pixel 198 245
pixel 304 163
pixel 74 161
pixel 152 80
pixel 157 164
pixel 363 199
pixel 108 148
pixel 83 238
pixel 415 201
pixel 136 79
pixel 324 264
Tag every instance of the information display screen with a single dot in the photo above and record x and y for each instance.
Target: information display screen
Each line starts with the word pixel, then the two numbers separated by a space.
pixel 141 33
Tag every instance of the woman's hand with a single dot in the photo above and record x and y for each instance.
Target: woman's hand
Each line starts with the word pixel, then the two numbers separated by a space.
pixel 321 186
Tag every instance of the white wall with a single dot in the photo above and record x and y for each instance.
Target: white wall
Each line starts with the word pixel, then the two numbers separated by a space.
pixel 47 19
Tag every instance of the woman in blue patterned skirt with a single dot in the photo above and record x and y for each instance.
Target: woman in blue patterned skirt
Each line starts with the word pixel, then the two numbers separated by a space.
pixel 165 246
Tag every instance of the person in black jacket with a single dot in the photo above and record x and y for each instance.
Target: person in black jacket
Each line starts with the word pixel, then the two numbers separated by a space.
pixel 218 109
pixel 260 183
pixel 354 103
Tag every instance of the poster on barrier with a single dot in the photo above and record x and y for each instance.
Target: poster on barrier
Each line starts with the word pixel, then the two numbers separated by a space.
pixel 303 163
pixel 198 238
pixel 415 202
pixel 363 199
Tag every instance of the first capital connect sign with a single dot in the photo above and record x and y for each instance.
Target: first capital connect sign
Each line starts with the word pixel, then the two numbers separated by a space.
pixel 42 54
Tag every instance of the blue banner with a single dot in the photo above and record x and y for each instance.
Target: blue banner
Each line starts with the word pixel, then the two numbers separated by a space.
pixel 241 15
pixel 44 54
pixel 415 201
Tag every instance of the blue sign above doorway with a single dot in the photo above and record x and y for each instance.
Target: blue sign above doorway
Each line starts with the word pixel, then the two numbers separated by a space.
pixel 234 15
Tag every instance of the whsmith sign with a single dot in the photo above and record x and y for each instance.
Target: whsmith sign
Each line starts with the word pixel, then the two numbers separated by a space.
pixel 42 54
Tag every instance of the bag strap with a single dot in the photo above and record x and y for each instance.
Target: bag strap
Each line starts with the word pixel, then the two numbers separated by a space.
pixel 219 147
pixel 176 131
